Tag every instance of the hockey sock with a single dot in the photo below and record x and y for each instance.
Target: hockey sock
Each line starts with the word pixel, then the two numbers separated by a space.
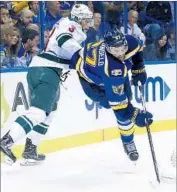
pixel 20 128
pixel 38 131
pixel 126 131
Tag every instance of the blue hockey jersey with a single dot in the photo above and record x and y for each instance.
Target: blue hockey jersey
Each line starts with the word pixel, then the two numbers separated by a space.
pixel 102 69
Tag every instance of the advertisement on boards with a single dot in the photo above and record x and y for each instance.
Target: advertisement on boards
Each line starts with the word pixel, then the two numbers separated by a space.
pixel 77 113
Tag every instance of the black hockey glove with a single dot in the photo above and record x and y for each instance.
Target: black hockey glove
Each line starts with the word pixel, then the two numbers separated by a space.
pixel 139 74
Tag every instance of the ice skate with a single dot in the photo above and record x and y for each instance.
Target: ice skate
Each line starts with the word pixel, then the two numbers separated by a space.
pixel 30 154
pixel 131 151
pixel 6 143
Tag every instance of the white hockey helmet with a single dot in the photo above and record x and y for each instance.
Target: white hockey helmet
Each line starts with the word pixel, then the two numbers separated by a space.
pixel 81 11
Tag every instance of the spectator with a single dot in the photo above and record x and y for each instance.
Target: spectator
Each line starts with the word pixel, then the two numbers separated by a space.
pixel 151 32
pixel 11 21
pixel 52 13
pixel 18 6
pixel 7 4
pixel 159 12
pixel 11 36
pixel 98 7
pixel 65 9
pixel 113 15
pixel 33 27
pixel 157 50
pixel 26 17
pixel 90 5
pixel 133 28
pixel 34 8
pixel 2 51
pixel 136 5
pixel 46 35
pixel 30 41
pixel 171 42
pixel 94 33
pixel 139 6
pixel 4 15
pixel 114 12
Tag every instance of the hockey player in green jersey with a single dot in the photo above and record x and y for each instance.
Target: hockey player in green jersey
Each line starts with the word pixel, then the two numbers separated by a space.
pixel 43 77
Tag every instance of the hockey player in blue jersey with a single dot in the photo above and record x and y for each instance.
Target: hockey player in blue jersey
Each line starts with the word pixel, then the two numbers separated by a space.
pixel 103 73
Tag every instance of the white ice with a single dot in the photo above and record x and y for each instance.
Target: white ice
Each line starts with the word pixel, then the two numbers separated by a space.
pixel 101 167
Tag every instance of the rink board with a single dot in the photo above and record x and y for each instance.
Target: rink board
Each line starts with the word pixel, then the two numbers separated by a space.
pixel 79 121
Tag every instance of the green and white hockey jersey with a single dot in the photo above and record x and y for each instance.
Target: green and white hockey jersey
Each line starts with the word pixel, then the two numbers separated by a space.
pixel 66 38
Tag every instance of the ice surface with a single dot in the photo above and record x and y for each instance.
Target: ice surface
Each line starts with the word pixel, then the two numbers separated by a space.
pixel 101 167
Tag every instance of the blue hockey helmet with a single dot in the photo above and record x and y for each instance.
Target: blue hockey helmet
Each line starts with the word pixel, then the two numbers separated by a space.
pixel 115 42
pixel 115 38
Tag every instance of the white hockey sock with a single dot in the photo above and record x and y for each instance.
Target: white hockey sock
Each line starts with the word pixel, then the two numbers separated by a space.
pixel 17 132
pixel 35 137
pixel 40 130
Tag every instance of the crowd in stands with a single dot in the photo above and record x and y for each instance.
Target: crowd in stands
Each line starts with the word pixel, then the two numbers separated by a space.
pixel 151 22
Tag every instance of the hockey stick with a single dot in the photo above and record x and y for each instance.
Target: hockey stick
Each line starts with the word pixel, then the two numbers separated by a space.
pixel 149 134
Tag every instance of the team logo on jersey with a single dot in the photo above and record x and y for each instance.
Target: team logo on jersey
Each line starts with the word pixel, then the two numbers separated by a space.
pixel 72 28
pixel 118 90
pixel 116 72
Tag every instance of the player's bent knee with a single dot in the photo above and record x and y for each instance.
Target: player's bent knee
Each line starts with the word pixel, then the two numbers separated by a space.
pixel 35 115
pixel 42 128
pixel 50 117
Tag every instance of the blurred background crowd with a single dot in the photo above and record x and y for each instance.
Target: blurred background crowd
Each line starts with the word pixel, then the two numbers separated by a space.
pixel 153 22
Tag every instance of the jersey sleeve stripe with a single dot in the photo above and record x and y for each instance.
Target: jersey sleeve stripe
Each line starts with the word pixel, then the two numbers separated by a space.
pixel 81 72
pixel 133 52
pixel 106 67
pixel 62 40
pixel 118 107
pixel 63 34
pixel 141 48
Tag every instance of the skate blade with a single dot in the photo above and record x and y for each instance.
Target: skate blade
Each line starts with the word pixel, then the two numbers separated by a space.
pixel 8 161
pixel 6 157
pixel 168 179
pixel 30 162
pixel 134 163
